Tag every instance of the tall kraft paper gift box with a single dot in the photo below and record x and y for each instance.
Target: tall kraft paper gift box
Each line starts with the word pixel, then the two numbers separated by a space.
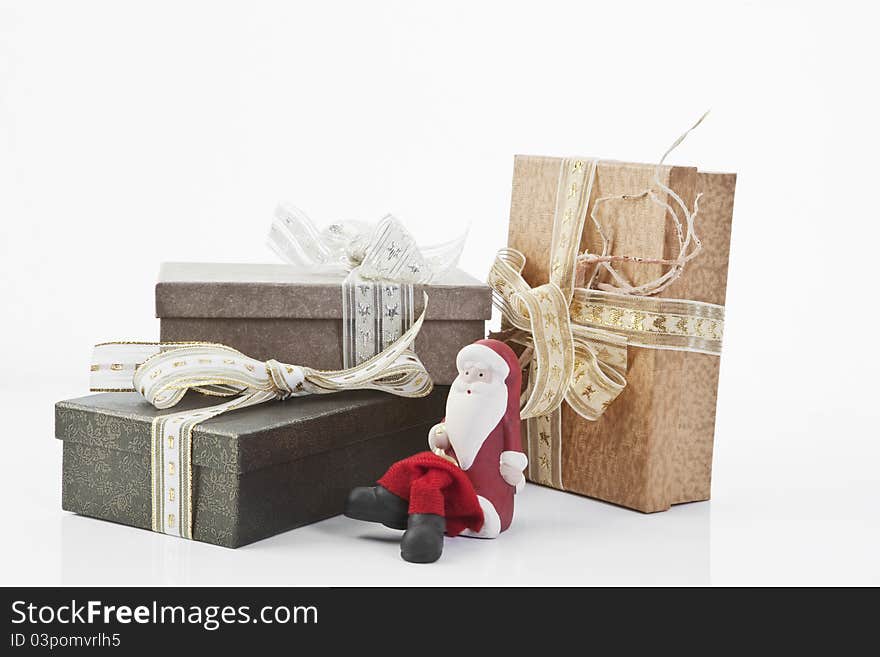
pixel 652 446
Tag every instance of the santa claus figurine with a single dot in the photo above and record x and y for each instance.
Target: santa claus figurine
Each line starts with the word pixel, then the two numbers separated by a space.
pixel 466 484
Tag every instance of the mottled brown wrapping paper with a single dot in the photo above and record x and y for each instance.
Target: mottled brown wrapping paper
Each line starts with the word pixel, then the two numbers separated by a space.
pixel 653 446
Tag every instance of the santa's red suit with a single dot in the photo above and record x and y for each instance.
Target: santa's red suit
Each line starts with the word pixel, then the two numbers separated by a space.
pixel 476 467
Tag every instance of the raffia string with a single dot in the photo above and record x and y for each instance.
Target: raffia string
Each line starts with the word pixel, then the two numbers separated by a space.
pixel 688 241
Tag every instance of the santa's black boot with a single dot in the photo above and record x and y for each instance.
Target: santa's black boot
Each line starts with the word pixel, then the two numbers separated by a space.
pixel 377 504
pixel 423 540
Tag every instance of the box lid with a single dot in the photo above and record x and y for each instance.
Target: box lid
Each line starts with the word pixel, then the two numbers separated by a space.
pixel 252 438
pixel 205 290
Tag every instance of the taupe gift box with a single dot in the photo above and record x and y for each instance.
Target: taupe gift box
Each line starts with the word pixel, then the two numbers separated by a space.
pixel 275 311
pixel 652 448
pixel 257 471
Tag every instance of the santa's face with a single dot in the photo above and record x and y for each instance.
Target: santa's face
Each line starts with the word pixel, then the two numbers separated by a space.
pixel 476 404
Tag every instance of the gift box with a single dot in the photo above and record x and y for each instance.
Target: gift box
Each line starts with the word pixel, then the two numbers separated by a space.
pixel 276 311
pixel 256 472
pixel 644 438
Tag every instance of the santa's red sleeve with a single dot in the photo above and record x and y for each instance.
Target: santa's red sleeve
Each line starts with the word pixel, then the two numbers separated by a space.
pixel 512 428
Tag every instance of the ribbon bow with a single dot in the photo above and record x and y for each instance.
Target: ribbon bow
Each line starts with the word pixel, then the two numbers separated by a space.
pixel 377 267
pixel 164 372
pixel 576 338
pixel 384 251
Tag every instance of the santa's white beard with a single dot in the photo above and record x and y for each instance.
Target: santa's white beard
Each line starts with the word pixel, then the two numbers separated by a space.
pixel 470 418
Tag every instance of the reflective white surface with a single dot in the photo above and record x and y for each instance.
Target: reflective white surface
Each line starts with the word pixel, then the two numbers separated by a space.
pixel 795 502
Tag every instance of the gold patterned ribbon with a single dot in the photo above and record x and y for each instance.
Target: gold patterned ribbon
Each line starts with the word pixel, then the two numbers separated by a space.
pixel 576 339
pixel 164 372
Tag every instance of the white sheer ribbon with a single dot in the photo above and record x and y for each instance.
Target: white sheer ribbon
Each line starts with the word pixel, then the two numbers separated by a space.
pixel 385 251
pixel 378 266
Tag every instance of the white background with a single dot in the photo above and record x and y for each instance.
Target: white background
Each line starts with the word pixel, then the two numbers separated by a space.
pixel 132 133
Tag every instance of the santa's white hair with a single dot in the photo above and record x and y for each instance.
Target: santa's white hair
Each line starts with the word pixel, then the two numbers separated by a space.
pixel 480 353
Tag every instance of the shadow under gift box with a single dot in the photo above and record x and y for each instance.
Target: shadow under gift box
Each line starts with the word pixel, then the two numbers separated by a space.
pixel 276 311
pixel 256 472
pixel 652 448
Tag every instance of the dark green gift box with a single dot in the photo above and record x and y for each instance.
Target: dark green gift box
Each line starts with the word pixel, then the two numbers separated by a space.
pixel 257 472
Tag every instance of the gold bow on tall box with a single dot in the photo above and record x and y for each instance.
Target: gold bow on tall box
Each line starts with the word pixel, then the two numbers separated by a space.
pixel 620 337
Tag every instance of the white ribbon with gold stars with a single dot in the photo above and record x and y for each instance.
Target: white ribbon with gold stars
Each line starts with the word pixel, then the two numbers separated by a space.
pixel 164 372
pixel 380 264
